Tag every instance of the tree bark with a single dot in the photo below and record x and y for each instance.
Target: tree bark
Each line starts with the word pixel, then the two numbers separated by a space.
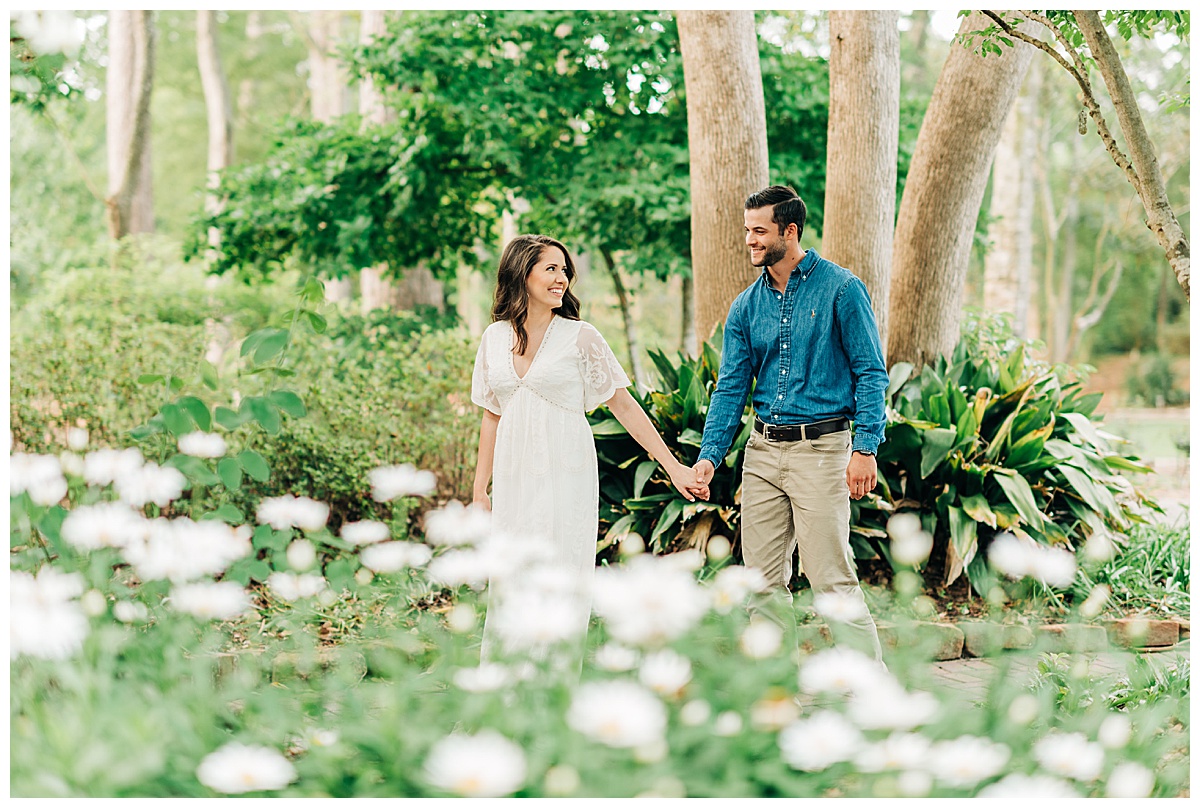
pixel 942 196
pixel 1152 191
pixel 245 96
pixel 630 322
pixel 376 291
pixel 1008 267
pixel 129 81
pixel 687 317
pixel 218 105
pixel 864 137
pixel 727 140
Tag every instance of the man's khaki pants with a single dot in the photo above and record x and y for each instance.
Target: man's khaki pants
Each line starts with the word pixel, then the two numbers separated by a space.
pixel 795 493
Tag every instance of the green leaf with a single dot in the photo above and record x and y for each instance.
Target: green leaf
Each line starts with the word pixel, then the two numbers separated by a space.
pixel 1018 492
pixel 176 419
pixel 259 570
pixel 289 402
pixel 255 465
pixel 691 437
pixel 963 542
pixel 144 431
pixel 175 384
pixel 340 572
pixel 226 513
pixel 1097 496
pixel 644 470
pixel 264 538
pixel 264 412
pixel 230 473
pixel 253 339
pixel 270 346
pixel 897 376
pixel 198 410
pixel 609 426
pixel 669 516
pixel 149 378
pixel 936 448
pixel 315 320
pixel 193 468
pixel 227 418
pixel 208 374
pixel 978 508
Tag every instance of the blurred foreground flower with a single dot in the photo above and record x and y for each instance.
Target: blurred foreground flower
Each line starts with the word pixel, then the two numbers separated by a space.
pixel 818 742
pixel 202 444
pixel 45 617
pixel 182 550
pixel 367 531
pixel 899 751
pixel 666 672
pixel 390 482
pixel 457 524
pixel 40 476
pixel 1029 785
pixel 211 601
pixel 393 556
pixel 49 32
pixel 487 677
pixel 617 713
pixel 151 483
pixel 733 584
pixel 1069 754
pixel 888 705
pixel 648 600
pixel 1022 557
pixel 104 466
pixel 1130 780
pixel 841 670
pixel 290 586
pixel 761 638
pixel 910 543
pixel 843 607
pixel 237 768
pixel 105 524
pixel 966 760
pixel 292 511
pixel 482 765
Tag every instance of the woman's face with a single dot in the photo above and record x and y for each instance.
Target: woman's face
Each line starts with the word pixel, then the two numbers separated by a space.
pixel 547 282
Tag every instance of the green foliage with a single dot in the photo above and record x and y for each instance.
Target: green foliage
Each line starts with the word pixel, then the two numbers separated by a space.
pixel 636 496
pixel 1150 571
pixel 988 441
pixel 1151 383
pixel 1148 683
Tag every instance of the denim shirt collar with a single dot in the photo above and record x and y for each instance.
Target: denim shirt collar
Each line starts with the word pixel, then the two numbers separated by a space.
pixel 804 269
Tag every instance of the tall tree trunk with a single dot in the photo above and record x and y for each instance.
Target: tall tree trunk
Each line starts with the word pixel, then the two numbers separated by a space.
pixel 631 332
pixel 727 140
pixel 1008 267
pixel 688 343
pixel 376 291
pixel 1060 327
pixel 245 96
pixel 328 88
pixel 130 78
pixel 942 196
pixel 1152 191
pixel 864 137
pixel 218 105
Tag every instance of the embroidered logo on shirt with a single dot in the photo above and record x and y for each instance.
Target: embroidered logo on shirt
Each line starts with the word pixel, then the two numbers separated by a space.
pixel 814 311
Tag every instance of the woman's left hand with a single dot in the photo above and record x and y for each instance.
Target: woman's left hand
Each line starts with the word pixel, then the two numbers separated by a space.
pixel 684 479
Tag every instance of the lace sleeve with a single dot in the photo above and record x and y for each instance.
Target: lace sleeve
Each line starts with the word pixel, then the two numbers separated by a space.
pixel 481 392
pixel 602 373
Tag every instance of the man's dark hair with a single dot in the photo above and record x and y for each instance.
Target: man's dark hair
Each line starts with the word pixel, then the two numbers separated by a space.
pixel 786 205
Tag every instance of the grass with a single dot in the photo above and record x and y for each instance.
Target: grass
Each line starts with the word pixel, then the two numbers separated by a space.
pixel 1150 573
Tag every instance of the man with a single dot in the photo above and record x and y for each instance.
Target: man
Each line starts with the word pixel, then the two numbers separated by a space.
pixel 805 335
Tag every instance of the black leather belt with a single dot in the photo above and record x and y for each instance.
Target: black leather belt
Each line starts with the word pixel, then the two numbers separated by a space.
pixel 790 432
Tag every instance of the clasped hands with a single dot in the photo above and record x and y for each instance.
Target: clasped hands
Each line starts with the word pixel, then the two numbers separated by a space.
pixel 692 482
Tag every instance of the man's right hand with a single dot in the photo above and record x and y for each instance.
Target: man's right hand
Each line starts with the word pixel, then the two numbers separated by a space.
pixel 704 473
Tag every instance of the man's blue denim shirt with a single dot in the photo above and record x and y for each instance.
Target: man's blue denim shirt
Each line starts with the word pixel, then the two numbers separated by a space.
pixel 813 352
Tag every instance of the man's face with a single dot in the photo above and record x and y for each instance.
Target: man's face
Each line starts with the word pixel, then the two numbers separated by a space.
pixel 767 245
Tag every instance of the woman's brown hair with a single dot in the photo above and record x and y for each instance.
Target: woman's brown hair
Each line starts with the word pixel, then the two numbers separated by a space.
pixel 512 296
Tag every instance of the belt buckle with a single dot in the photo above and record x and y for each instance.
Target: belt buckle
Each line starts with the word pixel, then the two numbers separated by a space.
pixel 767 431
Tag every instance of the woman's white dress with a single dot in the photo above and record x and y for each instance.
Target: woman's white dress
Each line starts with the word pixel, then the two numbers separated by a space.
pixel 545 485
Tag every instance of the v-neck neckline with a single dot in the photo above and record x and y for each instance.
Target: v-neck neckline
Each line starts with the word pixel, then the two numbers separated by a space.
pixel 512 356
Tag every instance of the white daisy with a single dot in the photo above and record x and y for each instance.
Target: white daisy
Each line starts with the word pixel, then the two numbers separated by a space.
pixel 38 475
pixel 483 765
pixel 202 444
pixel 77 439
pixel 646 601
pixel 1115 731
pixel 105 524
pixel 842 607
pixel 390 482
pixel 761 639
pixel 616 657
pixel 151 483
pixel 733 584
pixel 695 713
pixel 104 466
pixel 393 556
pixel 301 554
pixel 841 670
pixel 487 677
pixel 1029 786
pixel 211 601
pixel 290 586
pixel 182 550
pixel 367 531
pixel 236 768
pixel 1130 780
pixel 816 743
pixel 967 759
pixel 1069 754
pixel 665 672
pixel 292 511
pixel 889 706
pixel 897 752
pixel 617 713
pixel 457 524
pixel 727 724
pixel 46 619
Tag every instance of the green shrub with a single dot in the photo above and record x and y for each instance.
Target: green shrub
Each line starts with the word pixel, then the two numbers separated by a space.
pixel 1150 572
pixel 1151 382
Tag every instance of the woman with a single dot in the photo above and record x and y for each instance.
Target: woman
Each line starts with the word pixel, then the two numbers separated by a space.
pixel 538 370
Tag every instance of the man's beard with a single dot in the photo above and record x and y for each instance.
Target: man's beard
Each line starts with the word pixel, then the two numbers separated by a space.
pixel 773 255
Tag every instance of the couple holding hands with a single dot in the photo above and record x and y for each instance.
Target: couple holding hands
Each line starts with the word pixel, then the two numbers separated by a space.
pixel 802 336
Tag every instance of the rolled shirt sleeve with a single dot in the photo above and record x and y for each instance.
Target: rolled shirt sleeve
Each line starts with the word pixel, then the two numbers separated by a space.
pixel 733 386
pixel 859 334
